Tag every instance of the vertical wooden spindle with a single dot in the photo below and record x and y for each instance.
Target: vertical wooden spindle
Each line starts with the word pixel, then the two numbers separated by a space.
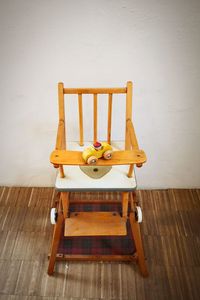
pixel 109 118
pixel 62 173
pixel 130 171
pixel 95 118
pixel 80 106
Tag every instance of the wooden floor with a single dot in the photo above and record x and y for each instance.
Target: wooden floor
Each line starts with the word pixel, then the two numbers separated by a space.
pixel 171 237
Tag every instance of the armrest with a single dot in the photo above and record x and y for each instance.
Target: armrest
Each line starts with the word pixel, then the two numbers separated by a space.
pixel 132 135
pixel 63 157
pixel 60 139
pixel 133 140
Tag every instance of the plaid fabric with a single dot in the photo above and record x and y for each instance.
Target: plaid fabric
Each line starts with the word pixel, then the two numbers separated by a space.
pixel 112 245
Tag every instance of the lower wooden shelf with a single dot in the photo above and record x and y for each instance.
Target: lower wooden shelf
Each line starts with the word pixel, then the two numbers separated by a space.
pixel 95 224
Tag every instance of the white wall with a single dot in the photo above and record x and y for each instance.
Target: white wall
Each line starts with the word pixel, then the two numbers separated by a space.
pixel 154 43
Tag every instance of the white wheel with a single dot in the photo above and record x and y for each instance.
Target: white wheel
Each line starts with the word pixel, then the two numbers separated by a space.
pixel 138 214
pixel 107 154
pixel 53 215
pixel 92 160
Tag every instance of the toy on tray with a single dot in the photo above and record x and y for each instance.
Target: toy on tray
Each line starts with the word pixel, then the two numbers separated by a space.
pixel 95 151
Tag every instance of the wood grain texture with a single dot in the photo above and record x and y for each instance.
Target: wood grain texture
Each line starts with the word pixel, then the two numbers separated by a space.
pixel 95 90
pixel 118 158
pixel 170 233
pixel 95 224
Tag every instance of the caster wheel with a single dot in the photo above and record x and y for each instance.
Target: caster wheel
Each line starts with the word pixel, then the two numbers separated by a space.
pixel 138 214
pixel 92 160
pixel 53 215
pixel 139 165
pixel 107 154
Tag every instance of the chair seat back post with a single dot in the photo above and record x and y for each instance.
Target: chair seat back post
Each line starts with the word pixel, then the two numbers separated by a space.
pixel 61 134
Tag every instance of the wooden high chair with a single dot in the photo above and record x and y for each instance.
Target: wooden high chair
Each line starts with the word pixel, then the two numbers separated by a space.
pixel 120 178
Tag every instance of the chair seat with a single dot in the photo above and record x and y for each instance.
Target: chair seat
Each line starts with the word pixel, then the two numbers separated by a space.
pixel 76 180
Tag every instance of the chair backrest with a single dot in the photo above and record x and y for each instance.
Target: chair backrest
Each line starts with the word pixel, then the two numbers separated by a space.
pixel 95 92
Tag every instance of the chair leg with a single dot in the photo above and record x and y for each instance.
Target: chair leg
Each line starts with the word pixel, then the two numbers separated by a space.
pixel 135 228
pixel 65 204
pixel 55 242
pixel 56 199
pixel 132 202
pixel 135 198
pixel 125 196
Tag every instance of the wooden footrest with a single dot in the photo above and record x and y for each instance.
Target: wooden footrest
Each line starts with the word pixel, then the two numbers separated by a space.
pixel 95 224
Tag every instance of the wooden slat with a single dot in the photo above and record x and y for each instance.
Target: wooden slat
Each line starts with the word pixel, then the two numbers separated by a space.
pixel 95 224
pixel 95 90
pixel 96 201
pixel 82 257
pixel 95 197
pixel 118 158
pixel 109 118
pixel 80 106
pixel 128 113
pixel 95 117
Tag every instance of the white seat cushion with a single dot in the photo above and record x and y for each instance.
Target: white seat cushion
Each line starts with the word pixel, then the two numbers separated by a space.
pixel 76 180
